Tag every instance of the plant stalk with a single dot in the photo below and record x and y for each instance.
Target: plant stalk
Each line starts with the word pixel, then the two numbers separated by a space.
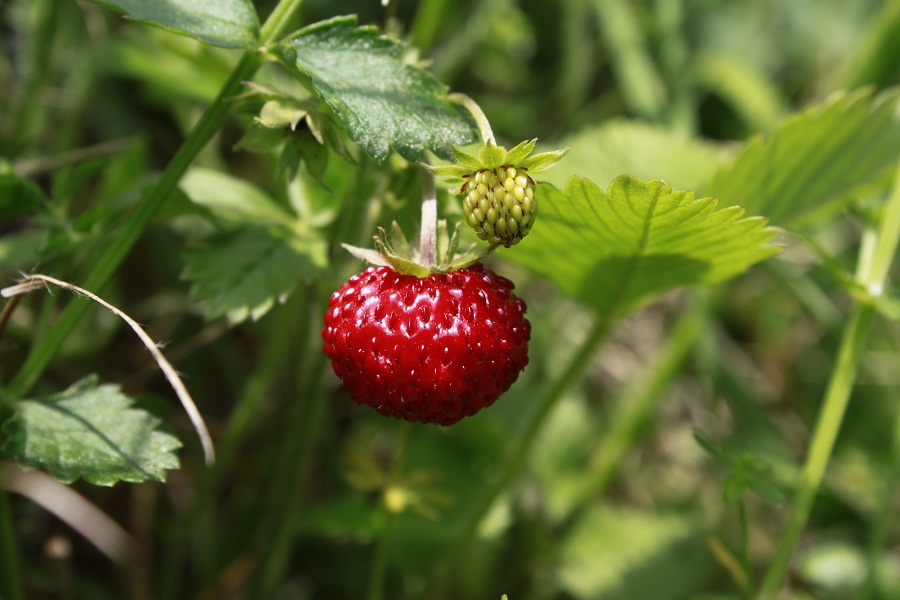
pixel 872 272
pixel 638 404
pixel 826 430
pixel 428 232
pixel 487 134
pixel 520 449
pixel 11 586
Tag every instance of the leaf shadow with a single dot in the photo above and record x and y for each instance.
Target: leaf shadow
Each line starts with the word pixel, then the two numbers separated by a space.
pixel 617 284
pixel 115 447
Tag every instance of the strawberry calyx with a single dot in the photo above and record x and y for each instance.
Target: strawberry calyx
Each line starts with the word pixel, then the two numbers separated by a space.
pixel 491 157
pixel 499 189
pixel 394 250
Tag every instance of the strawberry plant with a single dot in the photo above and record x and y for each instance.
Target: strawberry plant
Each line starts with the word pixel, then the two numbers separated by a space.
pixel 207 288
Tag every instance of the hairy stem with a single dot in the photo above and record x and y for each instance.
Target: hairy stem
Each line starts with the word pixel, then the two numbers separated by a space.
pixel 10 566
pixel 871 273
pixel 428 232
pixel 829 422
pixel 487 134
pixel 635 407
pixel 520 449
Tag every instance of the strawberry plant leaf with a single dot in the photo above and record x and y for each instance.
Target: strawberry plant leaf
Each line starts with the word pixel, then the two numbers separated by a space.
pixel 383 102
pixel 817 160
pixel 233 199
pixel 243 273
pixel 618 249
pixel 90 431
pixel 226 23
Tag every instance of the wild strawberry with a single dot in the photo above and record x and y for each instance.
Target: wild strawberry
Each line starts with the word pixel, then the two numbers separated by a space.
pixel 431 349
pixel 499 203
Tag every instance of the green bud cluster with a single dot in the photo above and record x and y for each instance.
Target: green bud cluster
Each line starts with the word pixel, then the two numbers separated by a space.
pixel 500 204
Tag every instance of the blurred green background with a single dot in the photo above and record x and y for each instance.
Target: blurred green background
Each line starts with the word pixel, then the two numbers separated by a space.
pixel 94 107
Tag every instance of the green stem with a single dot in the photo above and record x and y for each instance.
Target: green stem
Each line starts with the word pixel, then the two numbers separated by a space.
pixel 120 245
pixel 829 422
pixel 303 421
pixel 638 404
pixel 520 449
pixel 385 537
pixel 198 523
pixel 745 549
pixel 11 586
pixel 638 77
pixel 297 436
pixel 487 134
pixel 872 271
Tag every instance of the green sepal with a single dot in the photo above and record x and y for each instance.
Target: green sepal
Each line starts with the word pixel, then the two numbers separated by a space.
pixel 400 264
pixel 520 152
pixel 399 242
pixel 491 156
pixel 395 251
pixel 467 160
pixel 475 253
pixel 448 173
pixel 543 161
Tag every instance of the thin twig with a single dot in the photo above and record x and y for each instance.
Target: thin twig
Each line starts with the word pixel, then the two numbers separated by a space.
pixel 33 282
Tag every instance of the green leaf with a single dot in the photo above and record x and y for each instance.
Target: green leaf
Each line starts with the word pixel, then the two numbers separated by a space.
pixel 383 102
pixel 233 199
pixel 618 249
pixel 90 431
pixel 817 160
pixel 226 23
pixel 242 274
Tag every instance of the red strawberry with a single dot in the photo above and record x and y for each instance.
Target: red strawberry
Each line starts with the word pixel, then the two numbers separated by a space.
pixel 432 349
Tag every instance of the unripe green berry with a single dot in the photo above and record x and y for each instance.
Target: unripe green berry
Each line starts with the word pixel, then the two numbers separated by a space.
pixel 500 204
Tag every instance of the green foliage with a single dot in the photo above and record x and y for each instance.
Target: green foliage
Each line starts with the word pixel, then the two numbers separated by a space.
pixel 226 23
pixel 616 250
pixel 818 161
pixel 209 192
pixel 383 102
pixel 90 431
pixel 243 273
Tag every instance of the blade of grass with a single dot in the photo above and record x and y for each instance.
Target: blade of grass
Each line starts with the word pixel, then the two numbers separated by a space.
pixel 637 74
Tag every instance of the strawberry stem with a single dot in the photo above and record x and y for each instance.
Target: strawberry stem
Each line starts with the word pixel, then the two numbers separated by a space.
pixel 428 233
pixel 487 134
